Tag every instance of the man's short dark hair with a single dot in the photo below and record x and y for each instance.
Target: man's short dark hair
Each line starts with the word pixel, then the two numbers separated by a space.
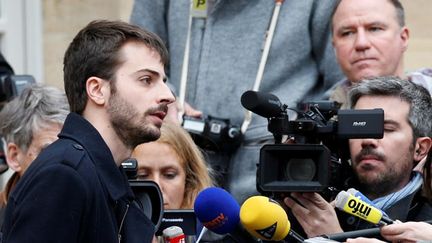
pixel 95 52
pixel 400 12
pixel 418 98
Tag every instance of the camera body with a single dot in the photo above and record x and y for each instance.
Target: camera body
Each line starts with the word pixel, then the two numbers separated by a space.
pixel 317 157
pixel 213 133
pixel 13 85
pixel 147 193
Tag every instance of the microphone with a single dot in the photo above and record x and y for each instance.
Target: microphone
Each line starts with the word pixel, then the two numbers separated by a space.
pixel 368 233
pixel 359 208
pixel 264 104
pixel 360 196
pixel 219 212
pixel 265 219
pixel 173 234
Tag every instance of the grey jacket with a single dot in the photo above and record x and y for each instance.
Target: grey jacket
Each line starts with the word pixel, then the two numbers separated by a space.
pixel 226 49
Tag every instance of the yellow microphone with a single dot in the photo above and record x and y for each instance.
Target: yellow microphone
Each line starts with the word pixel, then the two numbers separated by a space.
pixel 359 208
pixel 265 219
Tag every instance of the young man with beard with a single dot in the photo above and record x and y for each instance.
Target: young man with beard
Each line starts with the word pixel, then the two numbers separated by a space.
pixel 383 168
pixel 75 190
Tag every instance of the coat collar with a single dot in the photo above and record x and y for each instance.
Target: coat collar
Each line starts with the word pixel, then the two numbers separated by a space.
pixel 78 129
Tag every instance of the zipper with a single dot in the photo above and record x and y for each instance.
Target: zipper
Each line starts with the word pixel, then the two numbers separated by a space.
pixel 121 223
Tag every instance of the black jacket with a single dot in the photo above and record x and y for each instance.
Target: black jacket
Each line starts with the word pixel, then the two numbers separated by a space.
pixel 74 192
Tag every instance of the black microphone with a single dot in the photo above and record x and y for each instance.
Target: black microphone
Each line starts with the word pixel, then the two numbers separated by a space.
pixel 368 233
pixel 264 104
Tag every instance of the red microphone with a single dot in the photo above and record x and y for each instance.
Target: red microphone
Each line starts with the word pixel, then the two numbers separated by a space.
pixel 173 234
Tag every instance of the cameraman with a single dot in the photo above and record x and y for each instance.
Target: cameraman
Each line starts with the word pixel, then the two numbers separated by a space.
pixel 382 168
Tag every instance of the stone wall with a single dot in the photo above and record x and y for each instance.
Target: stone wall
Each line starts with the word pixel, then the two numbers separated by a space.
pixel 62 19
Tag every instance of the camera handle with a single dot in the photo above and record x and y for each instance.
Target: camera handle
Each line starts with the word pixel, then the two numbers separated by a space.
pixel 267 44
pixel 278 126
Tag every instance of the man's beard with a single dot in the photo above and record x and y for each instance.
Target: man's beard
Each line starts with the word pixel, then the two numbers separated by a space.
pixel 385 182
pixel 131 127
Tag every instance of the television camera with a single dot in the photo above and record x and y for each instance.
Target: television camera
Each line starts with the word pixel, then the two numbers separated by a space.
pixel 213 133
pixel 147 192
pixel 316 159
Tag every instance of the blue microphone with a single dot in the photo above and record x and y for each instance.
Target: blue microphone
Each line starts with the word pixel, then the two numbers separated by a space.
pixel 217 210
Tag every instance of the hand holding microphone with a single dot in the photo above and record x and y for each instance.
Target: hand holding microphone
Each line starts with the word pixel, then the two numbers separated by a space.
pixel 265 219
pixel 314 213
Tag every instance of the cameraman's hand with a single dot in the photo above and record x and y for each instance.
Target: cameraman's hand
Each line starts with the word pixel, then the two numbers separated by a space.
pixel 407 232
pixel 173 110
pixel 364 240
pixel 190 111
pixel 314 213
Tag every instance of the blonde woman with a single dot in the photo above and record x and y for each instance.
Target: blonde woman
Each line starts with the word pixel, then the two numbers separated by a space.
pixel 176 164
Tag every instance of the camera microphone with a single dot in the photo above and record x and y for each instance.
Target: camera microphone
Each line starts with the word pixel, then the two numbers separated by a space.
pixel 264 104
pixel 265 219
pixel 359 208
pixel 173 234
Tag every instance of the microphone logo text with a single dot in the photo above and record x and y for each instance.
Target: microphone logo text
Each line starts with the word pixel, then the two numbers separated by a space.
pixel 216 222
pixel 359 208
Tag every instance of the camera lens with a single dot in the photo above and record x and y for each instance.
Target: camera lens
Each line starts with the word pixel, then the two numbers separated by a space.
pixel 300 169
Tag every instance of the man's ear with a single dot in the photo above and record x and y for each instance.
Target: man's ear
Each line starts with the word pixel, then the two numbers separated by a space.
pixel 404 35
pixel 12 157
pixel 98 90
pixel 422 146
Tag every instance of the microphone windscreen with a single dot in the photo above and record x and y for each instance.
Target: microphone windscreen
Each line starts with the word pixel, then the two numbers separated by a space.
pixel 217 210
pixel 354 206
pixel 264 218
pixel 264 104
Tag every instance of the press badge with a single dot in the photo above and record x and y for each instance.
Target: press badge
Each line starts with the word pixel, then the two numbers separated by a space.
pixel 199 8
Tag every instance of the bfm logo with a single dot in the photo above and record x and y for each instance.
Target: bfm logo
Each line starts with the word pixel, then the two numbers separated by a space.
pixel 216 222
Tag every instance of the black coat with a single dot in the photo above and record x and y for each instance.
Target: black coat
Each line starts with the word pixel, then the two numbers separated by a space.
pixel 74 192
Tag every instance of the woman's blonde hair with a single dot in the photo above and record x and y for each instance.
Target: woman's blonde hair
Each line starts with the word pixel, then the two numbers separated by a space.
pixel 198 175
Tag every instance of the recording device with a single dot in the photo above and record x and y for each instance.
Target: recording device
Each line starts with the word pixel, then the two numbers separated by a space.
pixel 173 234
pixel 12 85
pixel 265 219
pixel 213 133
pixel 147 193
pixel 359 208
pixel 183 218
pixel 219 212
pixel 318 160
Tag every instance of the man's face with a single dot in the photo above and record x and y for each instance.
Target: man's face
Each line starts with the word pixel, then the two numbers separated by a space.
pixel 368 40
pixel 384 165
pixel 139 96
pixel 41 139
pixel 160 163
